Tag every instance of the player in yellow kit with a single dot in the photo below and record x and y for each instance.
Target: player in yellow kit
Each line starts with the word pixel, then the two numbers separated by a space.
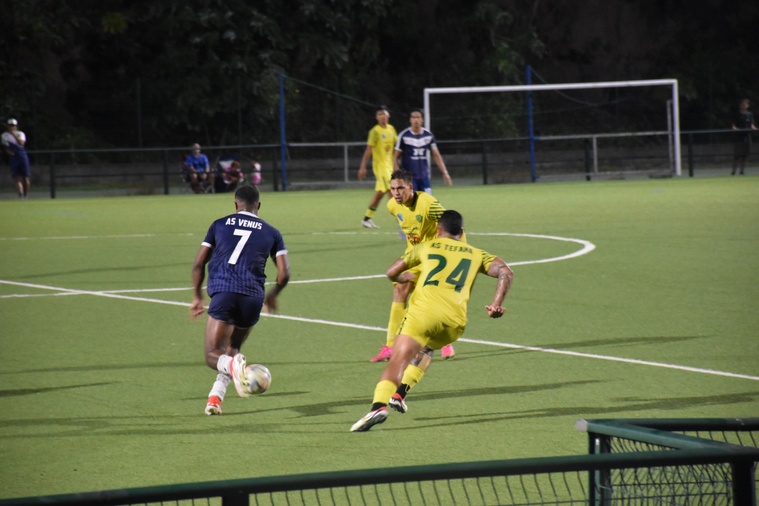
pixel 437 313
pixel 379 147
pixel 417 214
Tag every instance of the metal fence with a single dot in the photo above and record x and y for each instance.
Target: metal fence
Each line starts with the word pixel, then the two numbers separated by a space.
pixel 668 468
pixel 332 165
pixel 712 483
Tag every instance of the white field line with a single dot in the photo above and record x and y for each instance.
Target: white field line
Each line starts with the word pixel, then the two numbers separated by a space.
pixel 613 359
pixel 65 291
pixel 63 237
pixel 587 248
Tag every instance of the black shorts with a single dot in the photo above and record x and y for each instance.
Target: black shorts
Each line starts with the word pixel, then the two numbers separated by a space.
pixel 236 309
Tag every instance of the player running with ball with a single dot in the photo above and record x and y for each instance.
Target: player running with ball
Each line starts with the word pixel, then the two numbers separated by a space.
pixel 437 313
pixel 236 249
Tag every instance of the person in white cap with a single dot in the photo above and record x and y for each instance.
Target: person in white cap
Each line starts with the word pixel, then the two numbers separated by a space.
pixel 13 141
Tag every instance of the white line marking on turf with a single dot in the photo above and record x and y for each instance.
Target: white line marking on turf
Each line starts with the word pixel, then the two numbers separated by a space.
pixel 542 350
pixel 122 236
pixel 613 359
pixel 587 246
pixel 66 291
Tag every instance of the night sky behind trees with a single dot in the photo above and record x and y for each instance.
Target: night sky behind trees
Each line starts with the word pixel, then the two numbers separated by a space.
pixel 85 73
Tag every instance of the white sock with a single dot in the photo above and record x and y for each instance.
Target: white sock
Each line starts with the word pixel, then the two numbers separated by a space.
pixel 222 365
pixel 219 388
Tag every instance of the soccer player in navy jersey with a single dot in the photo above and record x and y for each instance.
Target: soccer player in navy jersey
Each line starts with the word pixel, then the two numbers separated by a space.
pixel 235 250
pixel 412 147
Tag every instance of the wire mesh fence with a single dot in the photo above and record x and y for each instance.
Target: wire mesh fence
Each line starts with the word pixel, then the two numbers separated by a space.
pixel 628 465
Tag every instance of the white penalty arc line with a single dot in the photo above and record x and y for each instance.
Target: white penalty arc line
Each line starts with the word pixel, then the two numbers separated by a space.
pixel 587 246
pixel 66 291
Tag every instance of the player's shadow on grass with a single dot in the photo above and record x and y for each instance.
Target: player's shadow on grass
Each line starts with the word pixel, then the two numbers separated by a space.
pixel 622 341
pixel 135 268
pixel 578 344
pixel 627 405
pixel 18 392
pixel 333 408
pixel 109 367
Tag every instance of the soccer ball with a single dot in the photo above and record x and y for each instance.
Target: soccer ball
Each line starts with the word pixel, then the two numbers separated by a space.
pixel 259 378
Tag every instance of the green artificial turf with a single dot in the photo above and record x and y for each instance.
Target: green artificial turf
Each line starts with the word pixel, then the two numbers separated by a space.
pixel 104 382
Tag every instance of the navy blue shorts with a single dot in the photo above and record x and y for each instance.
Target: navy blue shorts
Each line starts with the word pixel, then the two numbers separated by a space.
pixel 236 309
pixel 20 165
pixel 422 185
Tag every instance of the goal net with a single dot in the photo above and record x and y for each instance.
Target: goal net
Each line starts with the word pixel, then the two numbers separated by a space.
pixel 593 130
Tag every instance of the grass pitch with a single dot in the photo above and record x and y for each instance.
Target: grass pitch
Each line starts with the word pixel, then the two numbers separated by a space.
pixel 630 299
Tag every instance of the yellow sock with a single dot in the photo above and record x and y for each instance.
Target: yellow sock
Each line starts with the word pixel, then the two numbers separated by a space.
pixel 411 376
pixel 397 312
pixel 369 212
pixel 383 391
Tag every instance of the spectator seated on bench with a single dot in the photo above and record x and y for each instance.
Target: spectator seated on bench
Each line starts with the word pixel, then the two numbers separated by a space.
pixel 197 171
pixel 229 175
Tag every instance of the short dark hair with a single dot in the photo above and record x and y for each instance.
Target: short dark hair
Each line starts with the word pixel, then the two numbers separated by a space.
pixel 402 174
pixel 417 109
pixel 248 195
pixel 381 107
pixel 452 222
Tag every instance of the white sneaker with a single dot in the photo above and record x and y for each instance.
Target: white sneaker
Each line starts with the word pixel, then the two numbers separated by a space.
pixel 369 420
pixel 368 223
pixel 237 371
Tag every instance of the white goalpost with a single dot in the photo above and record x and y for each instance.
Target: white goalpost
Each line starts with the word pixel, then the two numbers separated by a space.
pixel 673 112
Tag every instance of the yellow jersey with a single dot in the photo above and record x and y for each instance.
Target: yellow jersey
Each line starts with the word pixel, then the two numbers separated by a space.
pixel 448 271
pixel 419 219
pixel 382 141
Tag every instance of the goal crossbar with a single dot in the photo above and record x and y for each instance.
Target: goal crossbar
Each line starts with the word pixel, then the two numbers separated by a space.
pixel 672 83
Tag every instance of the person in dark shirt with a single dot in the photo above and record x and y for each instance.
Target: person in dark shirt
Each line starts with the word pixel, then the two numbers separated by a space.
pixel 743 121
pixel 235 250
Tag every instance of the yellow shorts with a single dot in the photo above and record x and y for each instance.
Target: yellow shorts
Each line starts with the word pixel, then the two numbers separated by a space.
pixel 428 330
pixel 382 183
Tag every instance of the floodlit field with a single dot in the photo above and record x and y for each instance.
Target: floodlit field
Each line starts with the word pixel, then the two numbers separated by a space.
pixel 631 299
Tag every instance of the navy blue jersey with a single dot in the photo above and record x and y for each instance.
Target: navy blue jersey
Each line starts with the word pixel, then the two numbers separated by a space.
pixel 241 244
pixel 414 148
